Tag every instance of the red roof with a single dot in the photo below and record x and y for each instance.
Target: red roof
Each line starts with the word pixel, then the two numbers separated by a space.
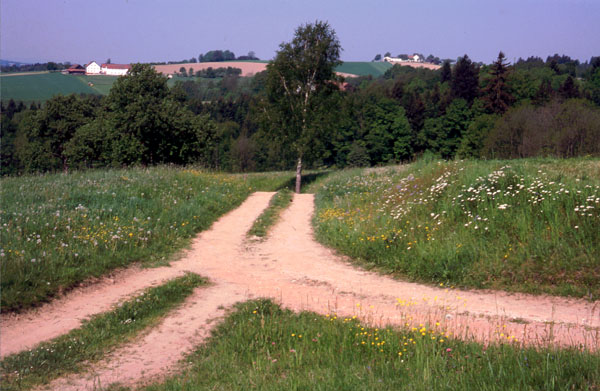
pixel 75 67
pixel 116 66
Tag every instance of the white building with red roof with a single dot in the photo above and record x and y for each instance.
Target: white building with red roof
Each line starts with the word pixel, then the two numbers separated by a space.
pixel 92 68
pixel 115 69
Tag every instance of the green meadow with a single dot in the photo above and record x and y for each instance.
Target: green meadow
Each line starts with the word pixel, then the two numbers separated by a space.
pixel 57 230
pixel 263 347
pixel 521 225
pixel 374 69
pixel 39 87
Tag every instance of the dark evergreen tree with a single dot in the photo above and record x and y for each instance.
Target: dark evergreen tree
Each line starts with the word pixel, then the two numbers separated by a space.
pixel 545 93
pixel 496 95
pixel 569 89
pixel 446 72
pixel 465 80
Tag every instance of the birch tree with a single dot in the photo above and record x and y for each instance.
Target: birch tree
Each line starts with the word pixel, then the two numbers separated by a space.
pixel 299 81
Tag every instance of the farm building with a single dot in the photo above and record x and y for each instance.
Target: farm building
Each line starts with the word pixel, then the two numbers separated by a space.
pixel 74 69
pixel 395 60
pixel 92 68
pixel 115 69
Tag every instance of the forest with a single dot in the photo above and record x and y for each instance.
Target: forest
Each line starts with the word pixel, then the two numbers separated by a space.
pixel 534 107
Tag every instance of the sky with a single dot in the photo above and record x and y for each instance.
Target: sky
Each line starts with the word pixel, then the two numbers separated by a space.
pixel 128 31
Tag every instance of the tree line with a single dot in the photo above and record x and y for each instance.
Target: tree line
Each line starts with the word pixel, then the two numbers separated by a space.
pixel 282 117
pixel 213 56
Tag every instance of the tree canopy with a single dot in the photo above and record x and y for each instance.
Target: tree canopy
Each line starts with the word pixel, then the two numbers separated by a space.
pixel 299 81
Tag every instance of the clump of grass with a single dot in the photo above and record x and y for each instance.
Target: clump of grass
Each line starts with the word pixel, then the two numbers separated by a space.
pixel 57 230
pixel 270 216
pixel 521 225
pixel 260 346
pixel 73 351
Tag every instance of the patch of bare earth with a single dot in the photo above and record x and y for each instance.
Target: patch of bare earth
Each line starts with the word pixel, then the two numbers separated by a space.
pixel 299 273
pixel 248 68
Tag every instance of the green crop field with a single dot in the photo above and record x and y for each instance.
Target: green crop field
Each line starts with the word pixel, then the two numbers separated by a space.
pixel 364 68
pixel 100 83
pixel 39 87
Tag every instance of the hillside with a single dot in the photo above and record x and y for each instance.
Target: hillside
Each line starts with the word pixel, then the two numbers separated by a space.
pixel 41 86
pixel 374 69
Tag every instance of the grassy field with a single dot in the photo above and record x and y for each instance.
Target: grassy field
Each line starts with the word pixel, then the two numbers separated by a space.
pixel 42 86
pixel 374 69
pixel 100 84
pixel 75 351
pixel 262 347
pixel 57 230
pixel 522 225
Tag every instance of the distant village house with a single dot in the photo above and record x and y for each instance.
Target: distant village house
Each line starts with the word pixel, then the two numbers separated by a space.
pixel 92 68
pixel 74 69
pixel 395 60
pixel 115 69
pixel 107 69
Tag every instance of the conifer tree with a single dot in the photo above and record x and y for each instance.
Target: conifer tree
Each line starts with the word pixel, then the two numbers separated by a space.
pixel 496 95
pixel 569 90
pixel 465 80
pixel 446 72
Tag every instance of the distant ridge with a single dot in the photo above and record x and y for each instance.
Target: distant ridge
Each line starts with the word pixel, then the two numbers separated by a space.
pixel 7 63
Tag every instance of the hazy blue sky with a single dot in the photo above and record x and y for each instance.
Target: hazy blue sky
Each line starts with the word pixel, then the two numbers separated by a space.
pixel 160 30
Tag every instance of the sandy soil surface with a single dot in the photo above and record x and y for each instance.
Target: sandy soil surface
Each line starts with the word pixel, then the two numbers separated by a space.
pixel 248 68
pixel 297 272
pixel 420 65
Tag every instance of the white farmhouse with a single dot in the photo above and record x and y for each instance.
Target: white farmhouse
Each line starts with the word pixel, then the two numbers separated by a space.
pixel 115 69
pixel 92 68
pixel 395 60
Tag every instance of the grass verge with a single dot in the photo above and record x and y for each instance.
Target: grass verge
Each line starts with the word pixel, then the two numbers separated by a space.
pixel 260 346
pixel 522 225
pixel 72 352
pixel 58 230
pixel 270 216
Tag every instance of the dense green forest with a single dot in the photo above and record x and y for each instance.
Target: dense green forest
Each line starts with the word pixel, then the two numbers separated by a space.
pixel 534 107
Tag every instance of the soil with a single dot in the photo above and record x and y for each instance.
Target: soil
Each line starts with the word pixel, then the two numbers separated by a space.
pixel 298 273
pixel 248 68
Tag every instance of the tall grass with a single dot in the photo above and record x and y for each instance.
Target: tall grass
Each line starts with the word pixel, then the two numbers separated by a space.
pixel 57 230
pixel 74 351
pixel 263 347
pixel 522 225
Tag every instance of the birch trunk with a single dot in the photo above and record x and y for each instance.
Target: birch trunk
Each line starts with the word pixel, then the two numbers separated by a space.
pixel 298 175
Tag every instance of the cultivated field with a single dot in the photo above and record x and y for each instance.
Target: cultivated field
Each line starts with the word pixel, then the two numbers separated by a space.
pixel 41 86
pixel 249 68
pixel 374 69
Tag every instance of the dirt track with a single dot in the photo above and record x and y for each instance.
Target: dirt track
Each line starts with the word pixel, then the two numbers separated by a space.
pixel 300 274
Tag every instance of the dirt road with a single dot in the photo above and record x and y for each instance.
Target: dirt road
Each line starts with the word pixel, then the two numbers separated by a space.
pixel 300 274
